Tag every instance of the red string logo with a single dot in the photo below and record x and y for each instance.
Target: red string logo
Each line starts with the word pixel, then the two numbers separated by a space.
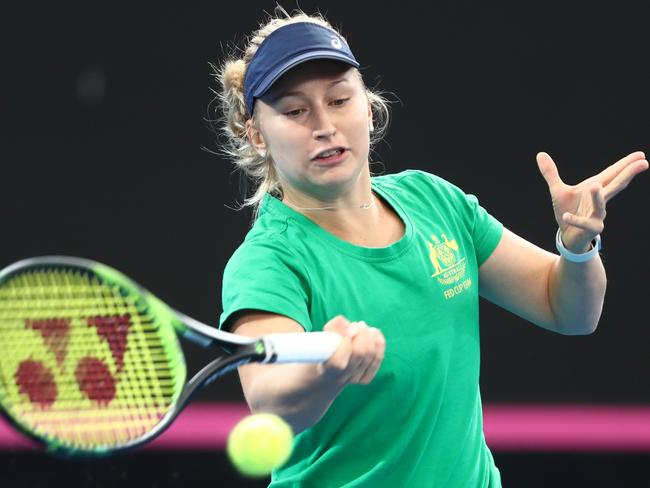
pixel 92 375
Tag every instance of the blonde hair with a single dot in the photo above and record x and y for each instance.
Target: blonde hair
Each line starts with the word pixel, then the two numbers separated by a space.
pixel 231 123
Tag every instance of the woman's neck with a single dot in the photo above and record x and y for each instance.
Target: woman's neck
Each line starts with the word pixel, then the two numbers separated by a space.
pixel 373 224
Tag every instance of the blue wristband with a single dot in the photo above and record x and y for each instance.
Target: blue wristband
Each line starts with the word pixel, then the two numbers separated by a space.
pixel 577 258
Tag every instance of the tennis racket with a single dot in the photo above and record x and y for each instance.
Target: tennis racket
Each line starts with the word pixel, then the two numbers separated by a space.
pixel 90 362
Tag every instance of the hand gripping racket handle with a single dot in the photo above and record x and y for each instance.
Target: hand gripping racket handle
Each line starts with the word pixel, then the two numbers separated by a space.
pixel 300 347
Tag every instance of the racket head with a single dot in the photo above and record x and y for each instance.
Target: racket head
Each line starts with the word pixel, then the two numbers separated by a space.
pixel 90 362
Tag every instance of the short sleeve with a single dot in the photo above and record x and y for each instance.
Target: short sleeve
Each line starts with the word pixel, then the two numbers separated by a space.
pixel 486 231
pixel 266 274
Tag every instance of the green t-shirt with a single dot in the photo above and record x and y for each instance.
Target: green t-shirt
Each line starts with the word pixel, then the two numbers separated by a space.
pixel 419 422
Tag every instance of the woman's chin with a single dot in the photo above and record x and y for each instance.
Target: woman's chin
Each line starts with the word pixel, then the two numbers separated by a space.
pixel 338 179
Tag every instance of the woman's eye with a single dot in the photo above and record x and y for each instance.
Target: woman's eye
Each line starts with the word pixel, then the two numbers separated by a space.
pixel 340 101
pixel 294 113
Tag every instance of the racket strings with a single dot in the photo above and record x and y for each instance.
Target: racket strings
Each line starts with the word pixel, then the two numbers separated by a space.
pixel 82 361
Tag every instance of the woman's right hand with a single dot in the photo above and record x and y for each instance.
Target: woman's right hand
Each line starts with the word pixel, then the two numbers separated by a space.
pixel 359 355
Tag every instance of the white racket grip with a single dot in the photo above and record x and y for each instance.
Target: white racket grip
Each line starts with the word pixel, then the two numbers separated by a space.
pixel 300 347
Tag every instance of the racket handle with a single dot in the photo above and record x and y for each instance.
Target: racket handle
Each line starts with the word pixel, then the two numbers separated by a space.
pixel 301 347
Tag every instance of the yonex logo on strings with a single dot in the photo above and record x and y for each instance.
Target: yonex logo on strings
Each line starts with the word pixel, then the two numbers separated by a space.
pixel 336 43
pixel 93 376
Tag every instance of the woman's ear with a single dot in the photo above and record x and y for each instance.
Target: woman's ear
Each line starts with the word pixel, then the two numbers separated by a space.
pixel 370 126
pixel 256 138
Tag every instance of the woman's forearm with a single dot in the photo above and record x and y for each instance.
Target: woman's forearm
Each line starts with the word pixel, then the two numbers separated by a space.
pixel 299 393
pixel 576 295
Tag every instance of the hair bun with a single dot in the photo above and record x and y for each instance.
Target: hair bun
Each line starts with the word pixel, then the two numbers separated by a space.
pixel 233 75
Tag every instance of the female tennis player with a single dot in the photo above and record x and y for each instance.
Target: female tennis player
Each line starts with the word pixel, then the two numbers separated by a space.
pixel 393 263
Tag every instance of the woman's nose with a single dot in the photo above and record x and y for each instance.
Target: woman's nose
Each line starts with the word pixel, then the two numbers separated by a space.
pixel 323 125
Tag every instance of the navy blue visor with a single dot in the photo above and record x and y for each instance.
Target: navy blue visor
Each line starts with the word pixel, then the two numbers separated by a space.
pixel 288 47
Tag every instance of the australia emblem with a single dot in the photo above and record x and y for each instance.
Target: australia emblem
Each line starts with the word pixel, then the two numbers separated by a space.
pixel 448 264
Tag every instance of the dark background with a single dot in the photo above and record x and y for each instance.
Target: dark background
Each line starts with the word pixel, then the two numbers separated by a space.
pixel 102 125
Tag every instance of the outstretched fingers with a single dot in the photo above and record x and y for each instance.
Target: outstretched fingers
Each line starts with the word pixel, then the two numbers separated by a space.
pixel 623 177
pixel 612 171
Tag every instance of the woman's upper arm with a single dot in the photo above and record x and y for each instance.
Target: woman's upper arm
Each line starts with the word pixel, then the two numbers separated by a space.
pixel 256 323
pixel 515 277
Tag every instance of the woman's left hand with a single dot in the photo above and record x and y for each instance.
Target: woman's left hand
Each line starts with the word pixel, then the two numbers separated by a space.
pixel 580 209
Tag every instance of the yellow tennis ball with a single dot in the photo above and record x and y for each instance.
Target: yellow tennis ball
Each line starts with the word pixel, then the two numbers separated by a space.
pixel 260 443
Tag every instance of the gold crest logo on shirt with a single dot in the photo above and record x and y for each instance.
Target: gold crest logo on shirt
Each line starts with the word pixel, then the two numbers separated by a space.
pixel 448 265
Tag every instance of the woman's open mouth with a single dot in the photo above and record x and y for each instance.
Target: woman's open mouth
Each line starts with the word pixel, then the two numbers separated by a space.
pixel 331 156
